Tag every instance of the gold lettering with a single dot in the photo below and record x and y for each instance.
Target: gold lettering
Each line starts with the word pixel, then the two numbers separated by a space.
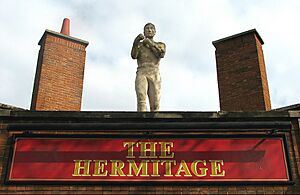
pixel 165 150
pixel 129 148
pixel 183 168
pixel 143 167
pixel 203 171
pixel 155 168
pixel 168 166
pixel 116 168
pixel 144 149
pixel 99 168
pixel 85 168
pixel 216 168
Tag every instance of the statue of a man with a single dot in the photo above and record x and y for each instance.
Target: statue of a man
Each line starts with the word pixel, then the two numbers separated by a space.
pixel 148 54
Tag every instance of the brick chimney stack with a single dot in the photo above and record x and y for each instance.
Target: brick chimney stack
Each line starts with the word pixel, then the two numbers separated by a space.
pixel 60 69
pixel 242 78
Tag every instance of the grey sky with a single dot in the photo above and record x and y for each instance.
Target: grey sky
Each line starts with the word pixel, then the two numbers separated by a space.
pixel 189 80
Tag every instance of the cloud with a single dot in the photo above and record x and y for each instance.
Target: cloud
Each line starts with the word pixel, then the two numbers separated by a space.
pixel 110 86
pixel 187 90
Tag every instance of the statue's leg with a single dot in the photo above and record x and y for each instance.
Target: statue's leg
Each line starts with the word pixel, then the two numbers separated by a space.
pixel 154 92
pixel 141 86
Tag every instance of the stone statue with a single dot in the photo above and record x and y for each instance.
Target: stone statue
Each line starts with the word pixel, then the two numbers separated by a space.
pixel 148 54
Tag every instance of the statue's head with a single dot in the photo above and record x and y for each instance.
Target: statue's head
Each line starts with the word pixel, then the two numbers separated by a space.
pixel 149 30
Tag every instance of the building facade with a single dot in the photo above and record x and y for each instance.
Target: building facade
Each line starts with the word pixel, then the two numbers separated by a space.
pixel 245 120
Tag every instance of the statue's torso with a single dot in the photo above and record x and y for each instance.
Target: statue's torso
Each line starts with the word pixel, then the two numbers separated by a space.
pixel 147 61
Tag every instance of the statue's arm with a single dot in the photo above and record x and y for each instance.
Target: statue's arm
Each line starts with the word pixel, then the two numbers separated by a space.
pixel 134 51
pixel 159 49
pixel 135 46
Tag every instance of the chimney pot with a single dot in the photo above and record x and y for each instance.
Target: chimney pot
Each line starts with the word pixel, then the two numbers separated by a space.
pixel 65 28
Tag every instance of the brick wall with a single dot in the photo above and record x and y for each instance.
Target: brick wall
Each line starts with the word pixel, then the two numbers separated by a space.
pixel 59 74
pixel 242 79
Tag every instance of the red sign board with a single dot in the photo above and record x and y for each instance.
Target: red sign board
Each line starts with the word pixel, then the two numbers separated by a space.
pixel 164 160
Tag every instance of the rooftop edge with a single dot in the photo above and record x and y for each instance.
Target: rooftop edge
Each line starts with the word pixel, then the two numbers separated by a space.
pixel 238 35
pixel 63 36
